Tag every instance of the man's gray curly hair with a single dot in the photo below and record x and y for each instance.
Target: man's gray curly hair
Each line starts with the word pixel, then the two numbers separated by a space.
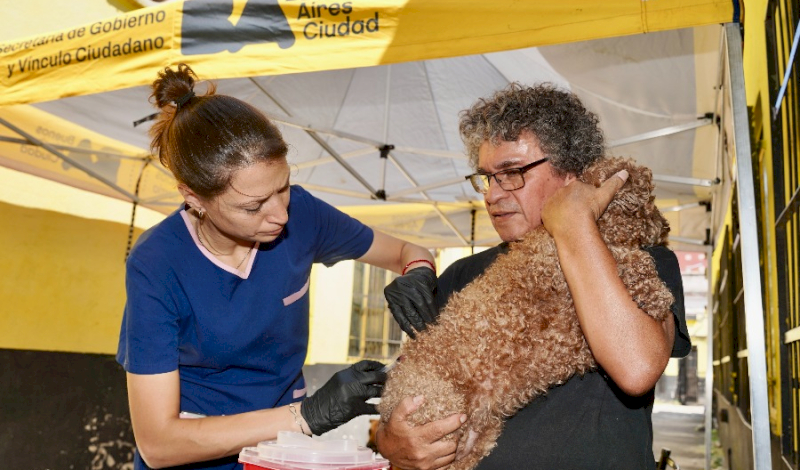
pixel 567 132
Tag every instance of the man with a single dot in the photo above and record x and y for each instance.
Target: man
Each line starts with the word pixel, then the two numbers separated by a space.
pixel 527 145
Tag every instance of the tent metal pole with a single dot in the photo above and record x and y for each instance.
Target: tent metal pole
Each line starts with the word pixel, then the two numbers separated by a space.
pixel 711 309
pixel 384 156
pixel 686 180
pixel 392 229
pixel 705 121
pixel 345 192
pixel 443 216
pixel 13 140
pixel 681 207
pixel 383 177
pixel 384 149
pixel 400 220
pixel 326 160
pixel 432 152
pixel 293 122
pixel 419 189
pixel 159 198
pixel 313 134
pixel 432 202
pixel 72 162
pixel 751 273
pixel 333 153
pixel 289 121
pixel 341 192
pixel 718 153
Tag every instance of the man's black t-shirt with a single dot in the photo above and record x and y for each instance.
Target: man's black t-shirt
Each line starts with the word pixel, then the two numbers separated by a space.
pixel 586 423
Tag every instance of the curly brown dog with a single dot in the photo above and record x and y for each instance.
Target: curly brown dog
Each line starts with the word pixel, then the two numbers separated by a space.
pixel 513 332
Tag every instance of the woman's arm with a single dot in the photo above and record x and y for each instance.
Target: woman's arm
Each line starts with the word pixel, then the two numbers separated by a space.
pixel 394 254
pixel 165 440
pixel 631 346
pixel 411 297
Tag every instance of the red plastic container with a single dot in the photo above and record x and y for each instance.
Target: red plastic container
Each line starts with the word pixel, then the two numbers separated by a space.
pixel 296 451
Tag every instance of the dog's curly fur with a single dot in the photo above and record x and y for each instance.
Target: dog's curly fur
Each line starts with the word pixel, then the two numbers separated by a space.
pixel 513 332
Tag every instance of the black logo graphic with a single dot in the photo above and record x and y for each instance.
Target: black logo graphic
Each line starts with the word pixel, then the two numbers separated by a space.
pixel 207 28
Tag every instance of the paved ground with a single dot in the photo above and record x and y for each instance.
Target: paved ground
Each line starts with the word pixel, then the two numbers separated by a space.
pixel 680 429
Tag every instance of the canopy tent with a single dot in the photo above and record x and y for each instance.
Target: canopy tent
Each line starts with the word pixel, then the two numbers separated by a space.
pixel 368 95
pixel 661 74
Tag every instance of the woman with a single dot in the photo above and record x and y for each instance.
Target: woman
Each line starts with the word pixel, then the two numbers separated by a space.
pixel 216 320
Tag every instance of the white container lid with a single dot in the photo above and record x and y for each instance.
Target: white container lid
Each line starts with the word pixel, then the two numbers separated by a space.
pixel 293 450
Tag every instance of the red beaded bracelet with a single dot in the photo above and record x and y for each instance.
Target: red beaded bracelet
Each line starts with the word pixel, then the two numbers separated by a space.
pixel 433 266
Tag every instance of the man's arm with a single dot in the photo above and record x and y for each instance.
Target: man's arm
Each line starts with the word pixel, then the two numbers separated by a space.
pixel 631 346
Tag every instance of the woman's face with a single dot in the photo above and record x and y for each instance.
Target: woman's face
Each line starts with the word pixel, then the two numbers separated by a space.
pixel 254 206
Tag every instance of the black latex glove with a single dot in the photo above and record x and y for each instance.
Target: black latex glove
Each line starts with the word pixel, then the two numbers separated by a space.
pixel 411 300
pixel 344 397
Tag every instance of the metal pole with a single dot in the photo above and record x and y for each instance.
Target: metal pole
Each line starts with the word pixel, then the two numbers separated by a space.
pixel 442 215
pixel 314 135
pixel 709 380
pixel 71 161
pixel 751 272
pixel 705 121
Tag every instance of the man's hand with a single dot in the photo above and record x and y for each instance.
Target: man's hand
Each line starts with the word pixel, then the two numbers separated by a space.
pixel 417 447
pixel 411 300
pixel 578 202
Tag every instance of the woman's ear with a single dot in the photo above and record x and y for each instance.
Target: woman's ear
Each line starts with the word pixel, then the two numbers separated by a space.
pixel 192 199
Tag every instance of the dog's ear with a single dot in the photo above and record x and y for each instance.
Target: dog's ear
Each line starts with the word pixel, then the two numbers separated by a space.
pixel 632 218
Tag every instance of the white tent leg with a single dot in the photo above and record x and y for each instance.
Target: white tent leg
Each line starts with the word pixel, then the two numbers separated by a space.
pixel 751 273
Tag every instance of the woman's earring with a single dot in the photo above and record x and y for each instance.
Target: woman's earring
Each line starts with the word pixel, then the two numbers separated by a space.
pixel 200 213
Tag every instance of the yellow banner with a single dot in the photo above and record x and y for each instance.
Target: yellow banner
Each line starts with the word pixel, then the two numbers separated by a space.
pixel 240 38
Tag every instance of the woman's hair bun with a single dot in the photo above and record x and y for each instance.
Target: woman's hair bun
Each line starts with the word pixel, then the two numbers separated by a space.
pixel 173 84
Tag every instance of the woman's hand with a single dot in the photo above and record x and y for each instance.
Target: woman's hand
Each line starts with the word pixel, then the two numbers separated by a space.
pixel 344 397
pixel 411 299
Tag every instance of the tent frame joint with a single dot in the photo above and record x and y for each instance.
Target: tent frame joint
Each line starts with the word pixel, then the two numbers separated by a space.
pixel 385 149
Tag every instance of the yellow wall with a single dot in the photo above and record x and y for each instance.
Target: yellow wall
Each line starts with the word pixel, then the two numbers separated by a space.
pixel 63 284
pixel 331 299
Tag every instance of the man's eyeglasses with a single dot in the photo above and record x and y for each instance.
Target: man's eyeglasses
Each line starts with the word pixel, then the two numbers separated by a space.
pixel 509 179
